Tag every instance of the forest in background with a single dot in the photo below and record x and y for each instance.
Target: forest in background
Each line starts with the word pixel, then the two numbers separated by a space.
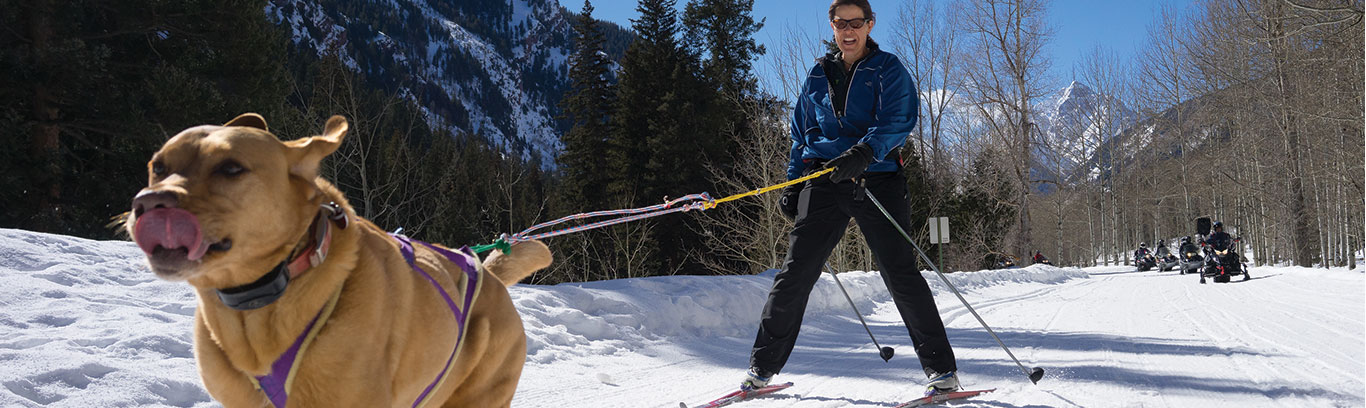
pixel 1254 117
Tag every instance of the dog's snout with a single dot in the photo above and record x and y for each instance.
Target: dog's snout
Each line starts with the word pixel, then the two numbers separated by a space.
pixel 148 200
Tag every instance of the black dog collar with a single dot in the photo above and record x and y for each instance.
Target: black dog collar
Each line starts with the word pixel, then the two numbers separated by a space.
pixel 272 285
pixel 260 293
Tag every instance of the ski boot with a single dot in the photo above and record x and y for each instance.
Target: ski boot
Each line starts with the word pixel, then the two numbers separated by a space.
pixel 942 383
pixel 755 379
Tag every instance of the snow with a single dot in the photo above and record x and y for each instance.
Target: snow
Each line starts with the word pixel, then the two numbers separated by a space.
pixel 83 324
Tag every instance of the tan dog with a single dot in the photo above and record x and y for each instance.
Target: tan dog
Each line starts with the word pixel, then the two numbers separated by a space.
pixel 225 206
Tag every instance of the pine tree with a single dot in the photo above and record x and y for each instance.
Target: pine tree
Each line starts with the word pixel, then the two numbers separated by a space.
pixel 724 31
pixel 640 111
pixel 587 107
pixel 981 212
pixel 95 86
pixel 659 148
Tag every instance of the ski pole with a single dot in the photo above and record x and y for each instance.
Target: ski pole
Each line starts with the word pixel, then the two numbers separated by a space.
pixel 884 352
pixel 1035 374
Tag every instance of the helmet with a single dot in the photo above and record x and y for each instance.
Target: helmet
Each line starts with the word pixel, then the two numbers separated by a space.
pixel 1143 245
pixel 1185 239
pixel 1218 225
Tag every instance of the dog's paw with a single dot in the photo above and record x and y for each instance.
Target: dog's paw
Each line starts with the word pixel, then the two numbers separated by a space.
pixel 521 261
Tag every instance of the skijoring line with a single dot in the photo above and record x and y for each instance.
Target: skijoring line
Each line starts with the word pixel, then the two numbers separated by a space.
pixel 686 203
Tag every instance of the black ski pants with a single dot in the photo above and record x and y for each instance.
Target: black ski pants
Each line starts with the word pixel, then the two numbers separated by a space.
pixel 823 213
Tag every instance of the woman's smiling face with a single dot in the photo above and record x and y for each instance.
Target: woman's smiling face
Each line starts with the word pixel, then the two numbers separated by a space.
pixel 851 40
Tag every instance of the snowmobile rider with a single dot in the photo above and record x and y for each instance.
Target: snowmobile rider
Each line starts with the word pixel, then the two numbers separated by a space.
pixel 856 130
pixel 1189 250
pixel 1219 240
pixel 1161 251
pixel 1039 258
pixel 1141 252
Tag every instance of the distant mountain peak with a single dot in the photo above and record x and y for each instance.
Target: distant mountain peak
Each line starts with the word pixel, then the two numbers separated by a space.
pixel 1076 90
pixel 1069 136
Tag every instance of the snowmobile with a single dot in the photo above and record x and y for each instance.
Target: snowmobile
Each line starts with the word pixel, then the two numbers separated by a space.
pixel 1222 260
pixel 1145 263
pixel 1143 259
pixel 1004 262
pixel 1040 259
pixel 1222 264
pixel 1190 259
pixel 1165 260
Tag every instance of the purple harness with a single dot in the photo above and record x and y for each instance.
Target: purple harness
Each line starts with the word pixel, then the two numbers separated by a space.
pixel 274 383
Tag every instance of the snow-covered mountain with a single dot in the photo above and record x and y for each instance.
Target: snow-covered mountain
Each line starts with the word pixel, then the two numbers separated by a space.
pixel 1073 124
pixel 493 68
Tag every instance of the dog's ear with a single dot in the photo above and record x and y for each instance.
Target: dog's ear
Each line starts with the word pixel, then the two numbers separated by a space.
pixel 248 120
pixel 305 154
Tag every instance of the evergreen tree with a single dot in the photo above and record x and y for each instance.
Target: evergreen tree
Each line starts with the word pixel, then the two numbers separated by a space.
pixel 981 212
pixel 658 146
pixel 587 107
pixel 724 31
pixel 643 82
pixel 93 87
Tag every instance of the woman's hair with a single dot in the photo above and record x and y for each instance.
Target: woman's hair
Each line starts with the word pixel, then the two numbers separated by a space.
pixel 862 5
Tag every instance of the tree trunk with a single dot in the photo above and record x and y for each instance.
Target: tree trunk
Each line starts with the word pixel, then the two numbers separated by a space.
pixel 44 139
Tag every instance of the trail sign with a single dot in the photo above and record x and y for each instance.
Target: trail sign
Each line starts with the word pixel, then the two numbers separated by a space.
pixel 939 230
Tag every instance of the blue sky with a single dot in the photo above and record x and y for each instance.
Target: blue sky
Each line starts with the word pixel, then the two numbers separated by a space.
pixel 1079 25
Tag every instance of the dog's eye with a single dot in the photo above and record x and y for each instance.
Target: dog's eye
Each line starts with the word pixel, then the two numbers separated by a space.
pixel 158 169
pixel 231 169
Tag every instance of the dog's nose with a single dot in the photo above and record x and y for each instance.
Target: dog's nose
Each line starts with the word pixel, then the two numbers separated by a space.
pixel 147 200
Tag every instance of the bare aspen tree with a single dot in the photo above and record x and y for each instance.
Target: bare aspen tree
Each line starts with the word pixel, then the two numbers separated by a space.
pixel 379 179
pixel 1105 119
pixel 754 231
pixel 926 42
pixel 1262 67
pixel 1004 73
pixel 1160 88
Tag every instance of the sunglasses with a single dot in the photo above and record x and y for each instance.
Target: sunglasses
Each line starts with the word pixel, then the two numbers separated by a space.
pixel 856 23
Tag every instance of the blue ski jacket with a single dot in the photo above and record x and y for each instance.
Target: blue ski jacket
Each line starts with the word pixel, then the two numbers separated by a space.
pixel 879 107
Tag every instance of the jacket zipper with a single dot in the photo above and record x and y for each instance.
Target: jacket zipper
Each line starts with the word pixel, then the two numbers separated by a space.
pixel 849 86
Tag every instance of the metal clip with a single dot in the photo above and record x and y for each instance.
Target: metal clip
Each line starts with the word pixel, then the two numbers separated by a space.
pixel 336 214
pixel 860 185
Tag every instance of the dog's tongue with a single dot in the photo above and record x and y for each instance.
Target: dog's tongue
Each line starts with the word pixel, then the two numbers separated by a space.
pixel 170 228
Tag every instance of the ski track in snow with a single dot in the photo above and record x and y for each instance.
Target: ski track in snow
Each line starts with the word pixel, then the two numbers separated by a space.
pixel 84 324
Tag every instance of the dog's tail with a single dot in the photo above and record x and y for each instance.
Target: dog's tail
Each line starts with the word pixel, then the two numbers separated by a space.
pixel 524 259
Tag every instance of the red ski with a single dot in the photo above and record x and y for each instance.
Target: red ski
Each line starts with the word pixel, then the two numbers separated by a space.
pixel 738 396
pixel 938 398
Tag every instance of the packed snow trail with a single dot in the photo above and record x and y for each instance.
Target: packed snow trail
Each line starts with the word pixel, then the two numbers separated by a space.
pixel 1290 337
pixel 84 324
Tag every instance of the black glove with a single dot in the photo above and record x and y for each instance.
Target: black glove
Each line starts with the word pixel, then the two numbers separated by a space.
pixel 788 203
pixel 851 163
